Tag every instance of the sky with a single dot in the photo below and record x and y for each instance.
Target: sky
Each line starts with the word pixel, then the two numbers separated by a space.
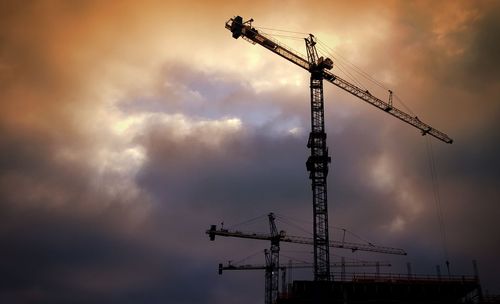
pixel 127 128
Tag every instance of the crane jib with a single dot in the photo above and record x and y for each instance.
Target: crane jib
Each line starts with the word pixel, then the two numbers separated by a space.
pixel 213 231
pixel 245 30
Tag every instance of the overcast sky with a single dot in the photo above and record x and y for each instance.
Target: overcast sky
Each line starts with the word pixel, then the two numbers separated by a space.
pixel 126 129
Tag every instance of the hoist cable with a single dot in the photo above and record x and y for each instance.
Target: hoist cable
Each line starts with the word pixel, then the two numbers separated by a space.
pixel 278 30
pixel 437 201
pixel 354 67
pixel 343 69
pixel 248 221
pixel 247 258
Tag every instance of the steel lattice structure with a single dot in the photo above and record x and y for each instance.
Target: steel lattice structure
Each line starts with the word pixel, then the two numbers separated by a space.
pixel 318 161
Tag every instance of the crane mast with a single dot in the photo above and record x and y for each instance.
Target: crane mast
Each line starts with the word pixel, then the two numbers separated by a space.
pixel 319 159
pixel 273 261
pixel 317 163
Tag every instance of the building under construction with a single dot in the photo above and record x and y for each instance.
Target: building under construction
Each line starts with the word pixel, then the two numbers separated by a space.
pixel 350 287
pixel 326 286
pixel 386 289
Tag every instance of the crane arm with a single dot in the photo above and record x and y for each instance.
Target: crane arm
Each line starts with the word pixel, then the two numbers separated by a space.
pixel 360 264
pixel 240 267
pixel 213 231
pixel 304 266
pixel 347 245
pixel 382 105
pixel 245 30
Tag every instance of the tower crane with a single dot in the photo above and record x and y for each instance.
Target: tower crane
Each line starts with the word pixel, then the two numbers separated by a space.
pixel 271 271
pixel 319 159
pixel 276 237
pixel 230 266
pixel 272 289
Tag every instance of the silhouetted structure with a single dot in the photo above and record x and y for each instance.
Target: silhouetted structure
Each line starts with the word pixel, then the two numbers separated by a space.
pixel 275 236
pixel 325 288
pixel 318 161
pixel 397 289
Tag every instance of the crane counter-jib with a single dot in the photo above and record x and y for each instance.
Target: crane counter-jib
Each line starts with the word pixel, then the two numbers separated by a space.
pixel 239 29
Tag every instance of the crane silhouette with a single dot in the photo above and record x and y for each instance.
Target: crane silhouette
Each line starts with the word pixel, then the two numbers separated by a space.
pixel 319 159
pixel 272 256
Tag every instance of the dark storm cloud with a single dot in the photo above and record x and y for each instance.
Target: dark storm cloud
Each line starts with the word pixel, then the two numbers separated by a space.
pixel 70 232
pixel 66 235
pixel 456 92
pixel 59 241
pixel 230 171
pixel 462 91
pixel 229 176
pixel 256 170
pixel 57 255
pixel 480 61
pixel 46 237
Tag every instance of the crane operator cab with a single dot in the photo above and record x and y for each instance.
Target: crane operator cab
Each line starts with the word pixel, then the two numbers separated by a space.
pixel 237 26
pixel 240 28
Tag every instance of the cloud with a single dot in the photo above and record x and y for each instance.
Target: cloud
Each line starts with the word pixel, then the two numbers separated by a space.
pixel 127 129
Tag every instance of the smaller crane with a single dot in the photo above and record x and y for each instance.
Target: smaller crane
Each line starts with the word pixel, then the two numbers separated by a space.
pixel 271 287
pixel 271 272
pixel 231 266
pixel 276 237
